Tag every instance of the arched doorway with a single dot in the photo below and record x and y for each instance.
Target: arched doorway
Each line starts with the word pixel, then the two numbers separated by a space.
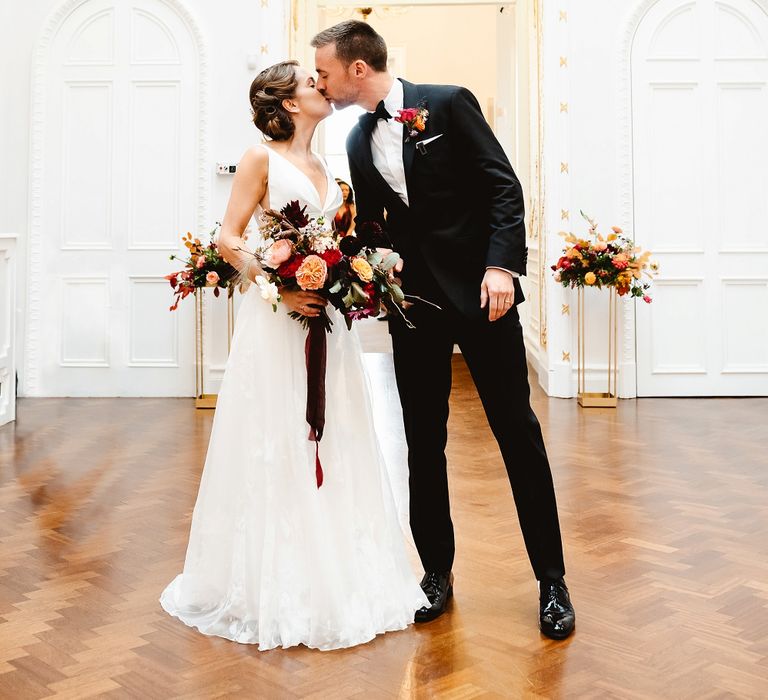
pixel 699 108
pixel 117 176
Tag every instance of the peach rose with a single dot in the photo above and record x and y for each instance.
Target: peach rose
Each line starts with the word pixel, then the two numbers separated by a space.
pixel 600 246
pixel 212 277
pixel 312 273
pixel 200 262
pixel 363 269
pixel 279 252
pixel 590 278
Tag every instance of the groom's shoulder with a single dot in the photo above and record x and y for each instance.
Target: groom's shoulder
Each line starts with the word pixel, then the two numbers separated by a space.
pixel 441 93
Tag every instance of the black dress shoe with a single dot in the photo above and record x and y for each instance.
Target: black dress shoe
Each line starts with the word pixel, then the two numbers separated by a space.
pixel 439 589
pixel 556 616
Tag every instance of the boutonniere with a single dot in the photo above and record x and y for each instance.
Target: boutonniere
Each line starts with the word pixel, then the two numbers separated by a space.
pixel 414 118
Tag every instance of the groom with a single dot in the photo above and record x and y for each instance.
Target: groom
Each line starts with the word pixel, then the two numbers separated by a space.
pixel 443 189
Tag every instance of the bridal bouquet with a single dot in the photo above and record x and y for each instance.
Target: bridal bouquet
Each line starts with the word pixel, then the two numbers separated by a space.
pixel 304 253
pixel 611 261
pixel 203 268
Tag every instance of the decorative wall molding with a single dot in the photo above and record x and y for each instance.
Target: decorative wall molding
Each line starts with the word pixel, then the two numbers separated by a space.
pixel 51 27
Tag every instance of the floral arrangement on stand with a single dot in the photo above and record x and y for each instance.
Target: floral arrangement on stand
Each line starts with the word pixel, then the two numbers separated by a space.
pixel 605 261
pixel 203 268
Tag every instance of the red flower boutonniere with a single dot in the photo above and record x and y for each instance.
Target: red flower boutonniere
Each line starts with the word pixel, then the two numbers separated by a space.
pixel 414 118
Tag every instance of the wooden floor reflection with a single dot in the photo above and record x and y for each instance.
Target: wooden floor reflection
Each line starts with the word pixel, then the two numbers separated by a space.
pixel 664 509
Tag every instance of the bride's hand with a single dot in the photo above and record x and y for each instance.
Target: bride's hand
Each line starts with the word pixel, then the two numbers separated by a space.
pixel 307 304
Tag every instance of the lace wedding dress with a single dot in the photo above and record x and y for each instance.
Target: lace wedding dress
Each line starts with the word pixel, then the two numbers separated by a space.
pixel 272 560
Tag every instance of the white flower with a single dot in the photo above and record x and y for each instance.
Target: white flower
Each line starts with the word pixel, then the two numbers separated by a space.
pixel 323 242
pixel 268 290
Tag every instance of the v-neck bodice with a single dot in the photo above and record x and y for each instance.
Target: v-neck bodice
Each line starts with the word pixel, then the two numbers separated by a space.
pixel 288 182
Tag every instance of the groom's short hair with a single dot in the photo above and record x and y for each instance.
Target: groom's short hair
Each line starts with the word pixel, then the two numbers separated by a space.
pixel 355 41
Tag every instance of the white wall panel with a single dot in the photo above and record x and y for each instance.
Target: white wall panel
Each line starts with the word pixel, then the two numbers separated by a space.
pixel 93 43
pixel 677 36
pixel 151 42
pixel 736 36
pixel 153 334
pixel 675 169
pixel 86 184
pixel 84 325
pixel 153 156
pixel 745 325
pixel 679 337
pixel 742 142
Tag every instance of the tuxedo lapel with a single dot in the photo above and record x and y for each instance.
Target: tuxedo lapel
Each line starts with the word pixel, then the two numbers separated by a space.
pixel 363 155
pixel 411 98
pixel 363 150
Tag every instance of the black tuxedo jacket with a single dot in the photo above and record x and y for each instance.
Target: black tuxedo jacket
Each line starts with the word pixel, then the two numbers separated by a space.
pixel 466 210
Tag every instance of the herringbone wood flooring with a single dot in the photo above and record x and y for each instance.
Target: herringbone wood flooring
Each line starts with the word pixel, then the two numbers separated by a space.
pixel 664 509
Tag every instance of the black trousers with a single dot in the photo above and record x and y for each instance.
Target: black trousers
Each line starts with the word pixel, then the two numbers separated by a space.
pixel 495 355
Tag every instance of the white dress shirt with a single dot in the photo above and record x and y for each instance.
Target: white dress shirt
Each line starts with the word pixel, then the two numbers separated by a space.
pixel 387 144
pixel 387 148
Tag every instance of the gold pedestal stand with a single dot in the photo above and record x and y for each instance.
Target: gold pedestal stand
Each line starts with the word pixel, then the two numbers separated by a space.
pixel 203 400
pixel 603 399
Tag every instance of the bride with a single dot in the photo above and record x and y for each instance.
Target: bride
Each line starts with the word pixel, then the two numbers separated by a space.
pixel 272 560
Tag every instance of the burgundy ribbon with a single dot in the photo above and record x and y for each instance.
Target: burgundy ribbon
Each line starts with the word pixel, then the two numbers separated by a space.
pixel 316 351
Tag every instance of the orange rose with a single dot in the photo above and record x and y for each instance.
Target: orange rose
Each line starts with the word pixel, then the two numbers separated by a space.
pixel 312 273
pixel 362 268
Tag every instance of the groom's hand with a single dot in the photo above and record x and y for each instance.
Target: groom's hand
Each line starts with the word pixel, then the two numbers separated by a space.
pixel 497 292
pixel 386 251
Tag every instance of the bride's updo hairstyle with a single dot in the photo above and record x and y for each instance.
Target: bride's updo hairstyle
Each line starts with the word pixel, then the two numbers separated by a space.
pixel 268 90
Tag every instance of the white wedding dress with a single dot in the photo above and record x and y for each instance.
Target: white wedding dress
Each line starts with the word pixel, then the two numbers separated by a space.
pixel 272 560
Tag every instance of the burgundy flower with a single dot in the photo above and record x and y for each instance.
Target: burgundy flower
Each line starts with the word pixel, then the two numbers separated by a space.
pixel 350 245
pixel 332 257
pixel 289 268
pixel 295 213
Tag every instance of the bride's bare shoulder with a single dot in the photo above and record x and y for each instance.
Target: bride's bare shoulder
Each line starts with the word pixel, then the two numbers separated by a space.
pixel 254 162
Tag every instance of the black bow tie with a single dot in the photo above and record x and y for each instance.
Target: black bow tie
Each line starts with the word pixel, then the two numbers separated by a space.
pixel 369 119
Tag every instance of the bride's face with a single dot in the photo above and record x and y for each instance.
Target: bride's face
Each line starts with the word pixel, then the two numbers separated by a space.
pixel 309 101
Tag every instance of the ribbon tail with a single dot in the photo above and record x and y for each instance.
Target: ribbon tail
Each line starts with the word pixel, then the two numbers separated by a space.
pixel 316 353
pixel 318 466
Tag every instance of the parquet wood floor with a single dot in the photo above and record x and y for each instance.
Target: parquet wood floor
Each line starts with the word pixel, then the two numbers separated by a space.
pixel 664 509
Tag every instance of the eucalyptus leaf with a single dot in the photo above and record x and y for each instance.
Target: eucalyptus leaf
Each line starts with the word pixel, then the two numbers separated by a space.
pixel 359 295
pixel 390 261
pixel 397 294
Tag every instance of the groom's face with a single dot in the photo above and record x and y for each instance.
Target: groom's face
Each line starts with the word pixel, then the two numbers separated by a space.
pixel 335 81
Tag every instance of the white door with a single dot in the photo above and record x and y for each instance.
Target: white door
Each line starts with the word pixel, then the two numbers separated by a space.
pixel 700 110
pixel 118 189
